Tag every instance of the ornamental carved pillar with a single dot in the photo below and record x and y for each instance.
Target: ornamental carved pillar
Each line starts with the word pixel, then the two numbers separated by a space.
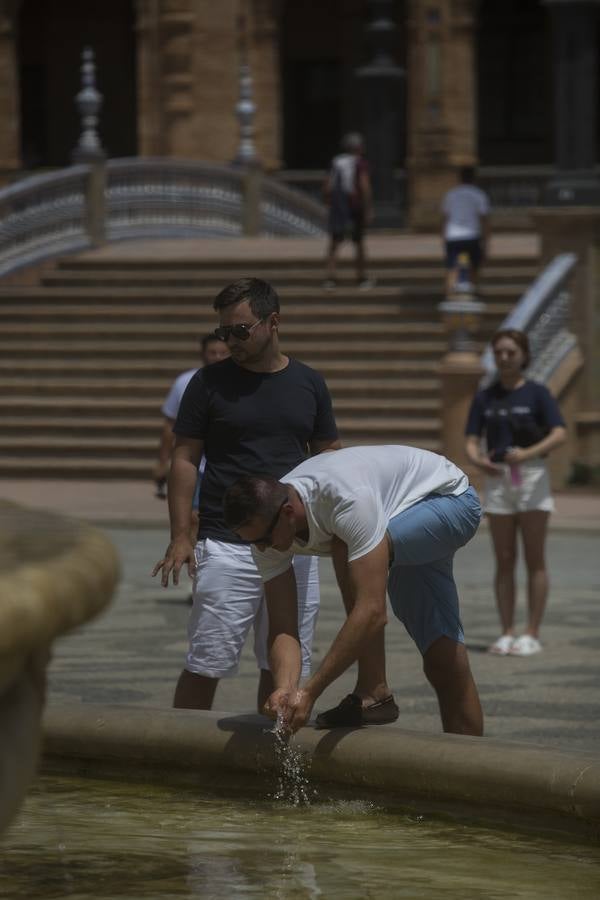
pixel 263 57
pixel 149 118
pixel 10 124
pixel 441 102
pixel 165 48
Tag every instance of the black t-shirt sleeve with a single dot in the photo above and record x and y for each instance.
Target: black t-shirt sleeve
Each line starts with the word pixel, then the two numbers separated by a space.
pixel 325 427
pixel 192 418
pixel 476 419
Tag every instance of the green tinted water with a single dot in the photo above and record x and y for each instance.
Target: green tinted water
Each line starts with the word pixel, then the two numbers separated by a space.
pixel 89 838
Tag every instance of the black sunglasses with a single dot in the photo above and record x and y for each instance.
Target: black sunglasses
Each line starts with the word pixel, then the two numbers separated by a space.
pixel 240 332
pixel 267 537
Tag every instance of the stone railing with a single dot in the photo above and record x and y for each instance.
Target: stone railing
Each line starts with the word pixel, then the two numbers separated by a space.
pixel 43 216
pixel 56 574
pixel 160 197
pixel 85 205
pixel 543 314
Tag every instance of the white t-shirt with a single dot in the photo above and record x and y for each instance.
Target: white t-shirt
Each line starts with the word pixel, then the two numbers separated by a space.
pixel 343 167
pixel 353 494
pixel 170 407
pixel 463 206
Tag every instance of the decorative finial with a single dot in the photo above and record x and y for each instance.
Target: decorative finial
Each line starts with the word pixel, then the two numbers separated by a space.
pixel 89 101
pixel 245 108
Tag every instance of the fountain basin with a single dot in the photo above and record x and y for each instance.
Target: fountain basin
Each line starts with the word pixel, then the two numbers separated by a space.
pixel 489 780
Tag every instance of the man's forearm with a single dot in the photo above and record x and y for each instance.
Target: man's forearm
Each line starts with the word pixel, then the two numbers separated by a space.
pixel 182 484
pixel 285 659
pixel 363 623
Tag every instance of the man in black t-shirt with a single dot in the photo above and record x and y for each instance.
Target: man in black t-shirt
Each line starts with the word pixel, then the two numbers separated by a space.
pixel 258 412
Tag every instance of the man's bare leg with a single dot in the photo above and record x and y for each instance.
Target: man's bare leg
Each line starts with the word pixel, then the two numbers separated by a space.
pixel 331 258
pixel 446 665
pixel 359 250
pixel 194 691
pixel 371 683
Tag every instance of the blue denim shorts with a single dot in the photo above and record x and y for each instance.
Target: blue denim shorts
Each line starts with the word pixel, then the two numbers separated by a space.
pixel 421 584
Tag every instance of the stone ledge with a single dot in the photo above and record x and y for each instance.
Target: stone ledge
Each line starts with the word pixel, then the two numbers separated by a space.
pixel 487 779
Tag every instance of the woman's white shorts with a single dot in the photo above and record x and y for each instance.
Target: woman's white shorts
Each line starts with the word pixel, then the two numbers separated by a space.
pixel 229 599
pixel 503 497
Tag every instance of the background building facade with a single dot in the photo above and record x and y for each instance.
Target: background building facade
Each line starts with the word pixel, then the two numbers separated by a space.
pixel 475 81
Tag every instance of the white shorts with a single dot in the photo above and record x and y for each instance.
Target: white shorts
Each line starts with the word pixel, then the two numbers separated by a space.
pixel 503 497
pixel 229 599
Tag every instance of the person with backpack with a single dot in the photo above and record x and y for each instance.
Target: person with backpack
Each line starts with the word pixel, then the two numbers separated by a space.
pixel 348 195
pixel 521 423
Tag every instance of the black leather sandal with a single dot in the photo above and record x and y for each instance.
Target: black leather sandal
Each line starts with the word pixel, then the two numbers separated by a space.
pixel 350 713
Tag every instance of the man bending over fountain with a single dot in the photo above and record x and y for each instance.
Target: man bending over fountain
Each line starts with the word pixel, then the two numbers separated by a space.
pixel 390 517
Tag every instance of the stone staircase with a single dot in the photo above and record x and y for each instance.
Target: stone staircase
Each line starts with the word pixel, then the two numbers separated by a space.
pixel 88 354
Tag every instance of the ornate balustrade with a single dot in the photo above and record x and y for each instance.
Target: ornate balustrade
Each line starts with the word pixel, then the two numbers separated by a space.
pixel 72 209
pixel 543 314
pixel 166 197
pixel 43 216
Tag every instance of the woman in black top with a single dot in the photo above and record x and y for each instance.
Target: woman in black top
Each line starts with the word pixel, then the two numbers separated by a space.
pixel 521 423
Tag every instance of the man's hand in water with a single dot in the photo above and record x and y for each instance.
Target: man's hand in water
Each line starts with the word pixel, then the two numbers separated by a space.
pixel 277 705
pixel 299 710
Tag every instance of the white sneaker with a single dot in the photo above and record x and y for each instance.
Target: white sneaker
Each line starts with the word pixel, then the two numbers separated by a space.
pixel 526 645
pixel 366 284
pixel 501 646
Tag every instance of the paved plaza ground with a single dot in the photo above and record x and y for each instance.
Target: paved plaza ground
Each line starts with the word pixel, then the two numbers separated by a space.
pixel 134 652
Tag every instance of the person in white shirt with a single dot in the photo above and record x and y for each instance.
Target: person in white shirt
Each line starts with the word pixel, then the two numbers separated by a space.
pixel 211 351
pixel 391 517
pixel 465 212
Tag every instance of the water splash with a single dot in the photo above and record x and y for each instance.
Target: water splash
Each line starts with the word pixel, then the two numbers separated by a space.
pixel 293 784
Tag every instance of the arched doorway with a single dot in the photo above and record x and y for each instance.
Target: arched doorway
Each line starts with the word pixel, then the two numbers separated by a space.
pixel 51 37
pixel 322 45
pixel 515 83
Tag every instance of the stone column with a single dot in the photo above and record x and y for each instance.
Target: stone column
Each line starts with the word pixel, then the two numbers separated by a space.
pixel 176 27
pixel 263 57
pixel 149 119
pixel 574 26
pixel 460 373
pixel 441 102
pixel 10 152
pixel 166 51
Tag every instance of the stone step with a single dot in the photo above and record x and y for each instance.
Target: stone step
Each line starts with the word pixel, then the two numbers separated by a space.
pixel 203 320
pixel 130 388
pixel 159 294
pixel 108 368
pixel 46 410
pixel 69 444
pixel 171 352
pixel 132 467
pixel 238 265
pixel 82 428
pixel 313 275
pixel 180 332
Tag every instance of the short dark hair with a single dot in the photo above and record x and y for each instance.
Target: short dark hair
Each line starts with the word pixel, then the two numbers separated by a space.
pixel 209 339
pixel 467 174
pixel 261 296
pixel 520 339
pixel 252 495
